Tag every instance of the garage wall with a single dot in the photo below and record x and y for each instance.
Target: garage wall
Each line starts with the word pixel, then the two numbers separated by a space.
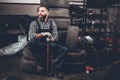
pixel 19 7
pixel 20 1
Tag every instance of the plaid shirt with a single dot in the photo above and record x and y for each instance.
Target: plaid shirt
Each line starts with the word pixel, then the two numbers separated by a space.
pixel 34 27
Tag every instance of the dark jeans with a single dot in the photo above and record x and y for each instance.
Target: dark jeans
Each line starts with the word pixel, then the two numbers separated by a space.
pixel 39 51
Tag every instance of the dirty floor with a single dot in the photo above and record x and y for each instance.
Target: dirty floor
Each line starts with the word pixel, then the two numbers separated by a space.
pixel 10 65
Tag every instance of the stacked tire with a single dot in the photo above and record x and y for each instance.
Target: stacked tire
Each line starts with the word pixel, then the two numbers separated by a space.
pixel 28 61
pixel 75 60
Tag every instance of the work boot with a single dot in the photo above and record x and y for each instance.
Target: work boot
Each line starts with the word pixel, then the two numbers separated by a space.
pixel 60 75
pixel 39 68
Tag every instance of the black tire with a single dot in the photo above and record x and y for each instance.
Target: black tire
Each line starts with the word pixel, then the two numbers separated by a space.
pixel 74 67
pixel 28 54
pixel 59 12
pixel 62 37
pixel 71 40
pixel 76 56
pixel 62 23
pixel 62 20
pixel 28 65
pixel 60 16
pixel 57 3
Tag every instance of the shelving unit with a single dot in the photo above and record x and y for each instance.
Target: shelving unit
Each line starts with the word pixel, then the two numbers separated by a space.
pixel 78 11
pixel 96 20
pixel 89 20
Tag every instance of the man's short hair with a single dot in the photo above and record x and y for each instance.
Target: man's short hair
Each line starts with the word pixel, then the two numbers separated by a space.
pixel 42 6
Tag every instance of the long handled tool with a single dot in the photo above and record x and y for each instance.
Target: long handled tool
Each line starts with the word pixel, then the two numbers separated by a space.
pixel 50 61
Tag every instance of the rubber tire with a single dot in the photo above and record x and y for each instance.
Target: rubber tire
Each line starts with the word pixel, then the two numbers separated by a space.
pixel 28 54
pixel 62 37
pixel 60 16
pixel 71 40
pixel 56 3
pixel 28 65
pixel 76 56
pixel 62 19
pixel 62 23
pixel 59 12
pixel 74 67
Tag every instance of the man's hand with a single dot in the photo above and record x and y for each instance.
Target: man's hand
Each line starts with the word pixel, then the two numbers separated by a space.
pixel 38 35
pixel 49 35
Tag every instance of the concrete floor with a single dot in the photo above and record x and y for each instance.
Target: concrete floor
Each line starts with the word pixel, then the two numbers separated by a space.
pixel 10 65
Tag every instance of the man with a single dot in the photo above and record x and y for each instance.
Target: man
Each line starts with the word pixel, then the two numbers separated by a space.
pixel 41 30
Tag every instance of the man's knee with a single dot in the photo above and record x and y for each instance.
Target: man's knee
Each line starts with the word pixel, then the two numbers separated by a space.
pixel 63 49
pixel 33 43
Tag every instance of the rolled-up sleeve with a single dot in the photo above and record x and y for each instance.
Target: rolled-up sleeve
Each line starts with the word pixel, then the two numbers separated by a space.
pixel 54 31
pixel 32 30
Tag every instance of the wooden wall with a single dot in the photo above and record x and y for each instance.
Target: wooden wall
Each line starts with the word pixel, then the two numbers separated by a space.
pixel 18 9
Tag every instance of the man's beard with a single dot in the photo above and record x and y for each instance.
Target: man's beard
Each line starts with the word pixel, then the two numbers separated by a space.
pixel 43 18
